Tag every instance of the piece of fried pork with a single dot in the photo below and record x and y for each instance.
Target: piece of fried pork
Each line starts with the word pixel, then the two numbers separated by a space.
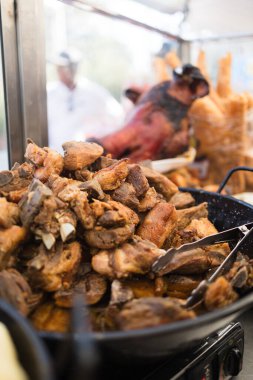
pixel 133 257
pixel 158 224
pixel 55 269
pixel 92 286
pixel 150 312
pixel 9 213
pixel 47 161
pixel 11 240
pixel 112 176
pixel 161 183
pixel 79 154
pixel 219 294
pixel 15 290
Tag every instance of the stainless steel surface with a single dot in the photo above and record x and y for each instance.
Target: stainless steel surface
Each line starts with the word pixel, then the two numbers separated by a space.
pixel 31 46
pixel 11 81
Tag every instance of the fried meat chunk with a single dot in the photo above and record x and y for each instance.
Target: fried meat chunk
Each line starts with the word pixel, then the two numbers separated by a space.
pixel 10 240
pixel 15 290
pixel 149 200
pixel 158 224
pixel 149 312
pixel 92 286
pixel 9 213
pixel 185 216
pixel 133 257
pixel 16 179
pixel 161 183
pixel 126 194
pixel 78 154
pixel 219 294
pixel 175 285
pixel 106 238
pixel 182 200
pixel 112 176
pixel 48 317
pixel 195 261
pixel 137 179
pixel 55 269
pixel 47 161
pixel 126 290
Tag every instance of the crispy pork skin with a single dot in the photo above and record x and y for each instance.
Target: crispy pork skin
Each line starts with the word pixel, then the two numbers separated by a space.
pixel 158 224
pixel 149 312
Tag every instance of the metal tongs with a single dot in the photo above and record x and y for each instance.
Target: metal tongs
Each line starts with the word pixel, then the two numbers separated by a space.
pixel 240 234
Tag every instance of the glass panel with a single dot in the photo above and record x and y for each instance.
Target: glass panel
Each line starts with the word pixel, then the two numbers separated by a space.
pixel 3 135
pixel 112 55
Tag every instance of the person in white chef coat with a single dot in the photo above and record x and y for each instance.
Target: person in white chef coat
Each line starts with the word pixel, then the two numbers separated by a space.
pixel 78 109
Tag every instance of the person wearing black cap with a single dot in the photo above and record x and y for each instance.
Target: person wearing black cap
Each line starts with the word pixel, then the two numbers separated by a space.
pixel 158 126
pixel 79 108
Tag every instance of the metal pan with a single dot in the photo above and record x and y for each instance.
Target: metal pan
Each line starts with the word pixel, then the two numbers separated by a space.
pixel 225 212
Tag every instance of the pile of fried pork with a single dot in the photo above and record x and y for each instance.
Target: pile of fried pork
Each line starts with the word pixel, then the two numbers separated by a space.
pixel 89 225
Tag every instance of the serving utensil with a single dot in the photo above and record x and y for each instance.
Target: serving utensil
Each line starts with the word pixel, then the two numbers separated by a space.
pixel 239 234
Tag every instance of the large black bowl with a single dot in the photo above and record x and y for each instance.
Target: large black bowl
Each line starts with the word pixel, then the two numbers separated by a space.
pixel 225 212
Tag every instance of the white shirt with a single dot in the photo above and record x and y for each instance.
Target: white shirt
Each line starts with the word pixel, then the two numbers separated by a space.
pixel 88 110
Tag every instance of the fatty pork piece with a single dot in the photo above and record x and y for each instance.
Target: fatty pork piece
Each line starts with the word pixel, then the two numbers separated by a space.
pixel 196 261
pixel 14 182
pixel 149 200
pixel 177 286
pixel 55 269
pixel 9 213
pixel 182 200
pixel 149 312
pixel 239 274
pixel 158 224
pixel 137 179
pixel 57 183
pixel 185 216
pixel 161 183
pixel 125 290
pixel 102 162
pixel 92 286
pixel 15 290
pixel 133 257
pixel 219 294
pixel 79 154
pixel 47 161
pixel 49 317
pixel 112 176
pixel 10 240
